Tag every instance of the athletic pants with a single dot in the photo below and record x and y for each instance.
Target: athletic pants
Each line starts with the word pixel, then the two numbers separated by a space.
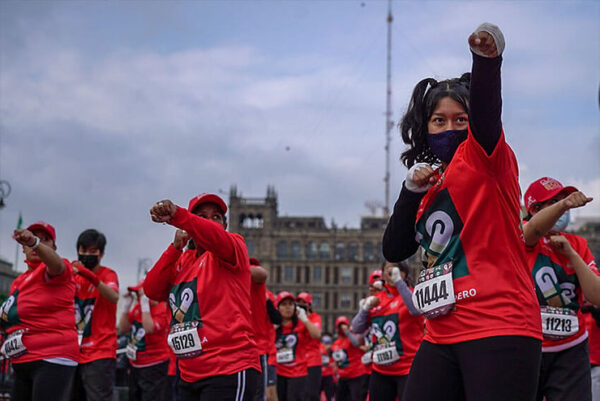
pixel 292 388
pixel 350 389
pixel 595 369
pixel 386 387
pixel 150 383
pixel 328 387
pixel 94 381
pixel 565 375
pixel 492 369
pixel 42 381
pixel 239 386
pixel 261 382
pixel 314 383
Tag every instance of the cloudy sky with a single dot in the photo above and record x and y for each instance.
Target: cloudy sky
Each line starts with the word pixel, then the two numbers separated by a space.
pixel 107 107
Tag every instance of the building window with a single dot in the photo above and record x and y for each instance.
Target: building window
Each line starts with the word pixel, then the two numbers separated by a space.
pixel 296 250
pixel 317 300
pixel 251 245
pixel 345 300
pixel 355 300
pixel 356 275
pixel 311 250
pixel 298 274
pixel 336 276
pixel 335 299
pixel 288 274
pixel 282 250
pixel 251 221
pixel 346 275
pixel 380 252
pixel 369 254
pixel 324 251
pixel 326 300
pixel 340 250
pixel 317 274
pixel 327 271
pixel 306 274
pixel 353 251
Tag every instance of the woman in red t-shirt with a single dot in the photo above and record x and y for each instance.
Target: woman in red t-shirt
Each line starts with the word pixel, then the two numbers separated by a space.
pixel 327 367
pixel 38 319
pixel 564 273
pixel 147 351
pixel 347 355
pixel 291 338
pixel 459 210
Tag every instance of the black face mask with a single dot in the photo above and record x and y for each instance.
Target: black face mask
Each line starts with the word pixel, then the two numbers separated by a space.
pixel 89 261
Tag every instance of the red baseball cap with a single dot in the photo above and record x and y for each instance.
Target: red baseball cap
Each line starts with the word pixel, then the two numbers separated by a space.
pixel 543 189
pixel 284 295
pixel 207 198
pixel 341 320
pixel 304 296
pixel 137 287
pixel 254 262
pixel 374 276
pixel 47 228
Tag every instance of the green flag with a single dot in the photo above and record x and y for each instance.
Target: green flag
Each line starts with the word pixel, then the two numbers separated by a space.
pixel 20 221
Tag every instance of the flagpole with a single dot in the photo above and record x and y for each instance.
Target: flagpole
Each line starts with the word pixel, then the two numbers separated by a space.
pixel 19 224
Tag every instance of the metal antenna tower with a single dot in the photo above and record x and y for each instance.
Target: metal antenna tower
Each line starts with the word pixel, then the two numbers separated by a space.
pixel 388 112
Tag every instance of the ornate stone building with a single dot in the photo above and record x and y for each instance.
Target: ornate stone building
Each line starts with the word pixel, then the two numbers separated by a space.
pixel 304 254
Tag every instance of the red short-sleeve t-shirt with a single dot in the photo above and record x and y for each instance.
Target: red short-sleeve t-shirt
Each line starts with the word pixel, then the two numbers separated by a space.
pixel 391 321
pixel 471 217
pixel 150 348
pixel 347 358
pixel 42 306
pixel 313 348
pixel 557 284
pixel 294 339
pixel 96 317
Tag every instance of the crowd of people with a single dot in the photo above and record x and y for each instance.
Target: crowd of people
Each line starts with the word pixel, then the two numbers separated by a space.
pixel 498 310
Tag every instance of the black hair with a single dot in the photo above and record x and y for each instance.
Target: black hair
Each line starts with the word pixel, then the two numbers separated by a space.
pixel 425 98
pixel 279 330
pixel 91 237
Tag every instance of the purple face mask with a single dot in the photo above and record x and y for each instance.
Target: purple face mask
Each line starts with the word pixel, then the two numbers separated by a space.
pixel 444 144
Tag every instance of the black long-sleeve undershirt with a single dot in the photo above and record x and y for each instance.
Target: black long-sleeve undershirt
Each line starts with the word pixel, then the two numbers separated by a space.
pixel 485 112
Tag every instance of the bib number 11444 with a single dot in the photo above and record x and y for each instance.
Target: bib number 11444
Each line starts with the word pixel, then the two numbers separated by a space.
pixel 434 294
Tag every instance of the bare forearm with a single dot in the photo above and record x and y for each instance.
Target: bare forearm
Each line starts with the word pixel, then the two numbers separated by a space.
pixel 108 293
pixel 312 329
pixel 542 222
pixel 588 280
pixel 124 325
pixel 53 262
pixel 147 322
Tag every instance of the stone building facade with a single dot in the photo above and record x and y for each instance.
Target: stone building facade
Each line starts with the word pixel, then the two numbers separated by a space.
pixel 305 254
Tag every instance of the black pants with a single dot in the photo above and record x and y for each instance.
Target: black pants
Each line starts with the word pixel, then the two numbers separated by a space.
pixel 261 382
pixel 150 383
pixel 565 375
pixel 291 388
pixel 350 389
pixel 94 381
pixel 41 381
pixel 314 383
pixel 491 369
pixel 239 386
pixel 386 387
pixel 328 387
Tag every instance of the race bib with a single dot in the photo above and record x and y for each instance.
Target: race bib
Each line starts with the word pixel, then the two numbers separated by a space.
pixel 558 323
pixel 434 292
pixel 325 360
pixel 338 355
pixel 13 346
pixel 184 340
pixel 285 355
pixel 131 352
pixel 385 354
pixel 367 358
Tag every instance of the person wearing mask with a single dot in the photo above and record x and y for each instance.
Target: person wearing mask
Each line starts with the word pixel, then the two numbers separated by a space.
pixel 564 273
pixel 459 208
pixel 291 339
pixel 327 368
pixel 347 355
pixel 396 328
pixel 96 319
pixel 276 319
pixel 208 290
pixel 264 316
pixel 375 282
pixel 147 325
pixel 313 349
pixel 37 318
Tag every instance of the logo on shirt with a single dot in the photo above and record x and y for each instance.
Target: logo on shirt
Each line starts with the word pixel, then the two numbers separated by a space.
pixel 138 336
pixel 553 285
pixel 340 356
pixel 438 232
pixel 385 330
pixel 84 309
pixel 10 316
pixel 184 303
